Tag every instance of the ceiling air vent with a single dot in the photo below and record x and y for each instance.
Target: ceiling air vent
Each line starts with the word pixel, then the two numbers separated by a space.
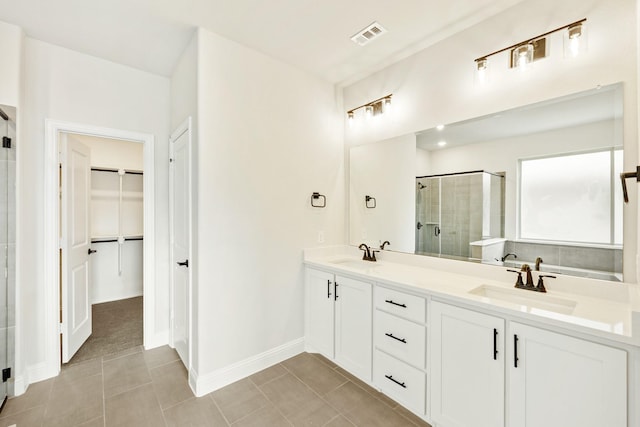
pixel 369 34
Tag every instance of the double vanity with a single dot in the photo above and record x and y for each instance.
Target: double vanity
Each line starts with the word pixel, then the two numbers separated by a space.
pixel 458 345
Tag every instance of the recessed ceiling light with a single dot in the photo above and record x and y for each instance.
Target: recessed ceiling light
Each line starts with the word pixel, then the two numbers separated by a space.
pixel 442 143
pixel 440 127
pixel 368 34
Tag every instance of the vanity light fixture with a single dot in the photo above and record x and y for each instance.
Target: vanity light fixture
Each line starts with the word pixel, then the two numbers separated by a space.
pixel 529 50
pixel 373 108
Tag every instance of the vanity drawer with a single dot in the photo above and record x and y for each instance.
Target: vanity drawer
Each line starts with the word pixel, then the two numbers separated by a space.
pixel 401 382
pixel 401 304
pixel 400 338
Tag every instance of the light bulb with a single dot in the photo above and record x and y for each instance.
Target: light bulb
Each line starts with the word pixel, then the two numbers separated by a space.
pixel 350 118
pixel 387 104
pixel 368 111
pixel 574 40
pixel 522 56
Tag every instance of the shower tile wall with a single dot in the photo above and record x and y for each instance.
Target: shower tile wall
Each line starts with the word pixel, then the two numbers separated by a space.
pixel 427 214
pixel 462 206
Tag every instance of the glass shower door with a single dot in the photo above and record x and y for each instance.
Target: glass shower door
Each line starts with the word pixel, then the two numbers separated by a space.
pixel 7 242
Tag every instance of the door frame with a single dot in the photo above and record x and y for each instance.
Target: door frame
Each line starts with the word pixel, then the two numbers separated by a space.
pixel 184 127
pixel 53 128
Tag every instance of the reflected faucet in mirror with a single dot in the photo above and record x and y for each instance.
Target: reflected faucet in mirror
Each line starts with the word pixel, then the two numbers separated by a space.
pixel 386 242
pixel 504 258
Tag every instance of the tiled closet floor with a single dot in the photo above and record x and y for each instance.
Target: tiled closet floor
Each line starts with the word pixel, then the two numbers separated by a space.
pixel 149 388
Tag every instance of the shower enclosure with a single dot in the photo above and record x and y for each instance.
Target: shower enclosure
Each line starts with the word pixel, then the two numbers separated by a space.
pixel 454 210
pixel 7 245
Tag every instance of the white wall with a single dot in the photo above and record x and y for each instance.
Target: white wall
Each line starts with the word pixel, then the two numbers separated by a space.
pixel 11 40
pixel 437 84
pixel 386 171
pixel 184 104
pixel 65 85
pixel 269 136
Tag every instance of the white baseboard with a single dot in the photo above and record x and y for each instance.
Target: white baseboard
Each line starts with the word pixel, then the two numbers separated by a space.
pixel 19 385
pixel 204 384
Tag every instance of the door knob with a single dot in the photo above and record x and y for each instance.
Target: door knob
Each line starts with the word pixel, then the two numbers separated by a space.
pixel 185 263
pixel 90 251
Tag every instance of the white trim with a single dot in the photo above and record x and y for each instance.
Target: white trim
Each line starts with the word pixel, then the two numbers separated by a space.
pixel 51 232
pixel 215 380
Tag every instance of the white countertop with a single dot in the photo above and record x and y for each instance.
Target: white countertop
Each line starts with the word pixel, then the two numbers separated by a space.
pixel 602 309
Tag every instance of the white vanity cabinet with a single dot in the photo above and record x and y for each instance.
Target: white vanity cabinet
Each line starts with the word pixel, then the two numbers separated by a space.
pixel 467 367
pixel 561 381
pixel 338 320
pixel 553 380
pixel 400 339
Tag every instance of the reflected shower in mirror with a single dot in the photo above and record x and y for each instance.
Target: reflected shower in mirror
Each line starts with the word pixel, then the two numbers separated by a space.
pixel 539 181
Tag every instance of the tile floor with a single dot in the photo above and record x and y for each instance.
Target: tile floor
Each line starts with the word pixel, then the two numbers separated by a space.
pixel 149 388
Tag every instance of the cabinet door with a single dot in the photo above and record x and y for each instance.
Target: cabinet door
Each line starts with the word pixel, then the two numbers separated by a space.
pixel 563 381
pixel 354 327
pixel 319 312
pixel 467 369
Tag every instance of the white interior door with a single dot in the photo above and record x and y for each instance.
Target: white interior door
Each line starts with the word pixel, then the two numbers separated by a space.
pixel 76 245
pixel 181 238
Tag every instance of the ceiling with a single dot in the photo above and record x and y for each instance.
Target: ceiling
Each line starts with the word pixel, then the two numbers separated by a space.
pixel 312 35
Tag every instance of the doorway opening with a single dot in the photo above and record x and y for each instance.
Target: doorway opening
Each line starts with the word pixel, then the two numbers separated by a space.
pixel 113 195
pixel 134 235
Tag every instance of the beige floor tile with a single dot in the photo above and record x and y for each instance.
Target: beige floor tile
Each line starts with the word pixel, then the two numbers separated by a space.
pixel 324 360
pixel 96 422
pixel 239 399
pixel 134 408
pixel 339 421
pixel 195 412
pixel 36 395
pixel 268 374
pixel 126 352
pixel 75 402
pixel 160 356
pixel 30 418
pixel 314 373
pixel 348 396
pixel 411 416
pixel 70 373
pixel 366 387
pixel 267 416
pixel 125 373
pixel 171 384
pixel 297 402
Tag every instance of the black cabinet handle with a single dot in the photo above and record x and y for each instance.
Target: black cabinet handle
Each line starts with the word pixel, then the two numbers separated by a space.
pixel 335 290
pixel 396 338
pixel 184 263
pixel 328 288
pixel 91 251
pixel 390 301
pixel 515 351
pixel 495 344
pixel 390 378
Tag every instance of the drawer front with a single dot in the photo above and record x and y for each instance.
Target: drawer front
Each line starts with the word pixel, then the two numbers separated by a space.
pixel 401 338
pixel 400 381
pixel 401 304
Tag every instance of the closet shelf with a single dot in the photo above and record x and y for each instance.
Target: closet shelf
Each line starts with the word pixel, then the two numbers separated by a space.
pixel 115 194
pixel 109 239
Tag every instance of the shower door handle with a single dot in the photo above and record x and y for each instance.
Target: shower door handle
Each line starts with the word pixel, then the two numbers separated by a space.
pixel 436 231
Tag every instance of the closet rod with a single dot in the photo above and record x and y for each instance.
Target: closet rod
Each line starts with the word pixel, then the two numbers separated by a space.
pixel 132 172
pixel 115 240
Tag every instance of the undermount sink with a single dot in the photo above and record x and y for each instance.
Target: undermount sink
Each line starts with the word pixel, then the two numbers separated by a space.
pixel 355 263
pixel 528 301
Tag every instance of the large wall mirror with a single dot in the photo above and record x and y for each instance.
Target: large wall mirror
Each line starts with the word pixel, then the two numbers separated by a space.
pixel 536 183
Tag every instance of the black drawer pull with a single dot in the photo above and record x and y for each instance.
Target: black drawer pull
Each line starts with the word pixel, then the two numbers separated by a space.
pixel 390 377
pixel 495 344
pixel 390 301
pixel 515 351
pixel 328 289
pixel 396 338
